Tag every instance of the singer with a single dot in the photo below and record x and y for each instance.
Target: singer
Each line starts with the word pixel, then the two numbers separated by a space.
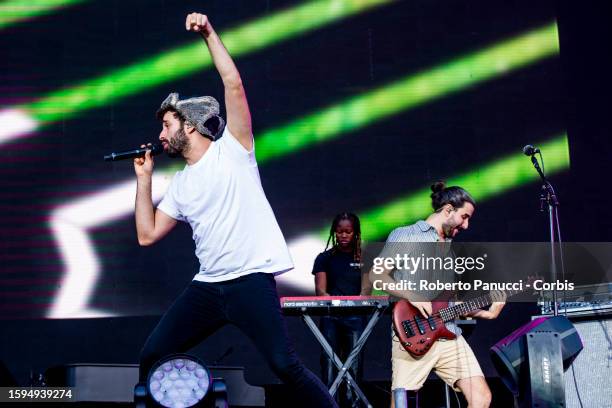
pixel 238 241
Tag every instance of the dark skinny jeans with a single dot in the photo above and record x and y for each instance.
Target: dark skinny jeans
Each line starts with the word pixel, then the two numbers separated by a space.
pixel 249 302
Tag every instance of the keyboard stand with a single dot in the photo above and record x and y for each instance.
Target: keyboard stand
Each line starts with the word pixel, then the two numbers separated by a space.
pixel 344 373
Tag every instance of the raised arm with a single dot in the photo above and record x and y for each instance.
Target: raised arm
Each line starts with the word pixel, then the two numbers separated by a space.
pixel 151 224
pixel 236 105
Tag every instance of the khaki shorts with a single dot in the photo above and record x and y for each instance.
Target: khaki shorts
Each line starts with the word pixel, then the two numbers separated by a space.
pixel 451 360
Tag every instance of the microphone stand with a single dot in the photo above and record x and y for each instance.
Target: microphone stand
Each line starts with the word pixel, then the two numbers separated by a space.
pixel 549 197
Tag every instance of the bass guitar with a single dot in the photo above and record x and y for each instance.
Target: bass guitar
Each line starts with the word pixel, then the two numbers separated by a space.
pixel 417 334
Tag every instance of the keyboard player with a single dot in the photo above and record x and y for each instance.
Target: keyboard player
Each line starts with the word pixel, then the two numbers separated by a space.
pixel 337 272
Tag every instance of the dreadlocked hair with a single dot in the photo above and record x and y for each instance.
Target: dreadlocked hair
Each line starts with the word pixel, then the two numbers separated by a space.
pixel 356 241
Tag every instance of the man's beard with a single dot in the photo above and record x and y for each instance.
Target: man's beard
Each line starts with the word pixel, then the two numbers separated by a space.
pixel 178 144
pixel 448 228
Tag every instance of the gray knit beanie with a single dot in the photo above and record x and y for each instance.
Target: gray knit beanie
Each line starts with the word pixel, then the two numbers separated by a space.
pixel 202 112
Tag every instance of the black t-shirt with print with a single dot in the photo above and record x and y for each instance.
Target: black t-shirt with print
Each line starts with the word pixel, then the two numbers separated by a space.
pixel 343 272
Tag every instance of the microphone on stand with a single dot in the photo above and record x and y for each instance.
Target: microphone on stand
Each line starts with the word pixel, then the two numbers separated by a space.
pixel 155 149
pixel 530 150
pixel 549 197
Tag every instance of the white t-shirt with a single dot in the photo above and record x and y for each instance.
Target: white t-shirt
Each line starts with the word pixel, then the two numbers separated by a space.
pixel 233 225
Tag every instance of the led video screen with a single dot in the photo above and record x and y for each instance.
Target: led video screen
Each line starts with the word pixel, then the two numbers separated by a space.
pixel 357 105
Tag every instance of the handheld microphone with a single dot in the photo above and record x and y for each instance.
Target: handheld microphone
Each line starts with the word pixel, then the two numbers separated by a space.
pixel 530 150
pixel 155 149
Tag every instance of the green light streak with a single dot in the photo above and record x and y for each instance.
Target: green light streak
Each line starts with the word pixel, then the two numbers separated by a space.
pixel 409 92
pixel 14 11
pixel 192 57
pixel 485 182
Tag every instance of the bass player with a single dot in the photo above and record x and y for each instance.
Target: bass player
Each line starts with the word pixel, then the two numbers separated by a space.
pixel 452 360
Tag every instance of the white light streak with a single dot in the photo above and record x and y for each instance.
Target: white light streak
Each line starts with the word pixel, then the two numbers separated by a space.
pixel 15 123
pixel 70 223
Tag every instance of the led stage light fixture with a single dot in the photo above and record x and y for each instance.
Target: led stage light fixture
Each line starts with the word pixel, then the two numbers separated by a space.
pixel 179 381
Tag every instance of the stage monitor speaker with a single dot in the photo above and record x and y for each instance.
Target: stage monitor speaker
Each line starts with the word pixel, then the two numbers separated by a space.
pixel 509 355
pixel 544 385
pixel 588 381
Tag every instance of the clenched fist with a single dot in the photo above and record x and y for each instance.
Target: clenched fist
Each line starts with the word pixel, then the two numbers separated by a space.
pixel 143 166
pixel 197 22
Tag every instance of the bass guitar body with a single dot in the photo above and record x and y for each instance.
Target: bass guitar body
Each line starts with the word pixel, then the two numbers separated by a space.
pixel 416 333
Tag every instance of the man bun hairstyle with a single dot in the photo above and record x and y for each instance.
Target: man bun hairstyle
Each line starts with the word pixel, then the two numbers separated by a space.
pixel 454 195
